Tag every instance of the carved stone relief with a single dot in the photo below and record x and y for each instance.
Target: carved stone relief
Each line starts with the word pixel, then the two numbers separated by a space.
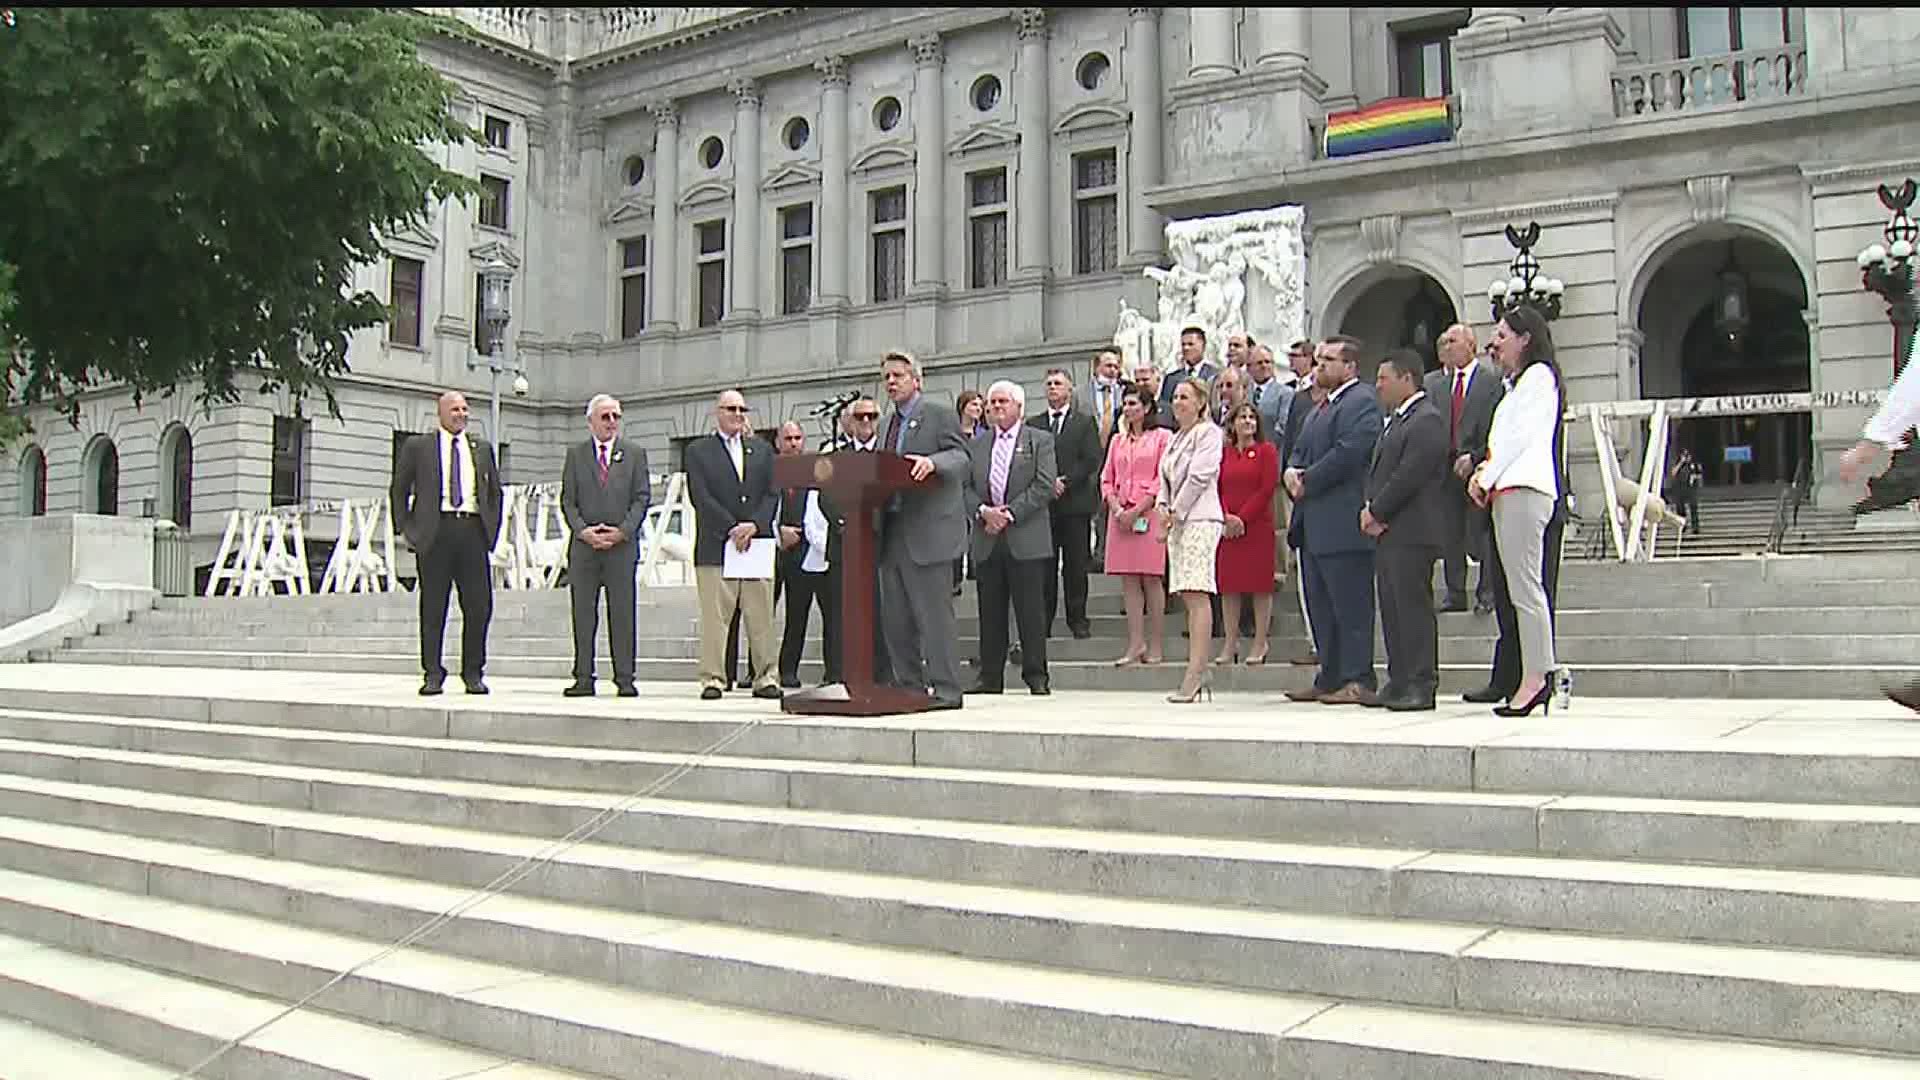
pixel 1208 285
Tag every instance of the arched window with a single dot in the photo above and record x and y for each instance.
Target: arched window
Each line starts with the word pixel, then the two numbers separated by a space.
pixel 102 474
pixel 33 482
pixel 176 476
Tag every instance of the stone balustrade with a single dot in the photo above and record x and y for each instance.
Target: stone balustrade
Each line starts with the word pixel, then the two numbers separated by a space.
pixel 618 27
pixel 538 29
pixel 1710 82
pixel 514 25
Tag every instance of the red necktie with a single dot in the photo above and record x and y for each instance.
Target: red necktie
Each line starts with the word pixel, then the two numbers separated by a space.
pixel 603 466
pixel 1459 402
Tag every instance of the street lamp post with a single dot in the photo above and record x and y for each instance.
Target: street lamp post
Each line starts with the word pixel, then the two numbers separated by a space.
pixel 496 312
pixel 1887 271
pixel 1524 283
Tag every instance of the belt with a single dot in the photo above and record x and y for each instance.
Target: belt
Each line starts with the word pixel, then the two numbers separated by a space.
pixel 462 514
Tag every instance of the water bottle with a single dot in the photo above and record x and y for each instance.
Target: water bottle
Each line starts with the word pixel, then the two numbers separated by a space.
pixel 1563 689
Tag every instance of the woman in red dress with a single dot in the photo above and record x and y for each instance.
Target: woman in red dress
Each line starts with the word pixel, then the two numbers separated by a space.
pixel 1249 473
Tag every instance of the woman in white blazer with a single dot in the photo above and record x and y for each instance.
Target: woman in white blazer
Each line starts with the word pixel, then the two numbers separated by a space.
pixel 1520 482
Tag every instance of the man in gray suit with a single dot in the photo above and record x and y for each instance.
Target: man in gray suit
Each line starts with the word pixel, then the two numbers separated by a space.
pixel 1404 514
pixel 922 530
pixel 604 492
pixel 1466 393
pixel 1009 489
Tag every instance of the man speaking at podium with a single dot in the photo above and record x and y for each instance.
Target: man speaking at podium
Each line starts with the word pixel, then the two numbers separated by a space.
pixel 922 530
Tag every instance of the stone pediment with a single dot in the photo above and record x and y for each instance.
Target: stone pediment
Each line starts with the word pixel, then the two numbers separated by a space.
pixel 630 208
pixel 1090 117
pixel 884 156
pixel 494 249
pixel 790 175
pixel 708 191
pixel 991 136
pixel 414 233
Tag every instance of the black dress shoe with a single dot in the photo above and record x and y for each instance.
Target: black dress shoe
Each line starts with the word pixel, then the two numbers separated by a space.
pixel 579 689
pixel 1408 704
pixel 1483 607
pixel 769 693
pixel 475 686
pixel 1039 688
pixel 1082 632
pixel 1486 695
pixel 711 693
pixel 943 704
pixel 985 688
pixel 789 684
pixel 628 690
pixel 430 688
pixel 1451 606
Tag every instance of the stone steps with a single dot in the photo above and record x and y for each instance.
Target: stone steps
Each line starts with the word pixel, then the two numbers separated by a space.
pixel 35 1053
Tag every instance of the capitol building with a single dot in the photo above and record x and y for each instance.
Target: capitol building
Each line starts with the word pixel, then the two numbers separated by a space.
pixel 697 198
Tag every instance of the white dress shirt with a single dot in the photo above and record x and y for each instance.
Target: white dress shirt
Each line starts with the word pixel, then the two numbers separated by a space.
pixel 732 443
pixel 813 525
pixel 467 504
pixel 1520 446
pixel 1901 410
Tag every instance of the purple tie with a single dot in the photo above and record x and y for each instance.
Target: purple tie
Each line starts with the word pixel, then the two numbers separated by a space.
pixel 603 466
pixel 1002 461
pixel 455 495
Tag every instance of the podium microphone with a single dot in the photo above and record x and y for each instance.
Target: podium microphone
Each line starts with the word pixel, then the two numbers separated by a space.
pixel 835 404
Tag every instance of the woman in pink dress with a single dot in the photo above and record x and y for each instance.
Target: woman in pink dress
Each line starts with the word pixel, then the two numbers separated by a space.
pixel 1136 543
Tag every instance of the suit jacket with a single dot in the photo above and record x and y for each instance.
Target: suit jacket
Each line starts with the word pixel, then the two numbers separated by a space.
pixel 1274 407
pixel 1029 494
pixel 1476 413
pixel 1298 410
pixel 1088 401
pixel 792 512
pixel 415 495
pixel 1407 481
pixel 621 502
pixel 1334 448
pixel 931 516
pixel 723 499
pixel 1206 373
pixel 1078 456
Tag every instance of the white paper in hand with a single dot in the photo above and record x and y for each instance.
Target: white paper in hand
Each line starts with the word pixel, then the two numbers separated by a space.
pixel 753 564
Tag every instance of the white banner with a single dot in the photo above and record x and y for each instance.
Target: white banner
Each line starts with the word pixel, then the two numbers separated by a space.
pixel 1735 404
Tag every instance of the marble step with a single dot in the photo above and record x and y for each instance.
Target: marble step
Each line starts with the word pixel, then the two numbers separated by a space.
pixel 37 1053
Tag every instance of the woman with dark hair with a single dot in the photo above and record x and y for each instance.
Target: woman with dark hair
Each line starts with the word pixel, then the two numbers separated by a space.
pixel 972 407
pixel 1249 475
pixel 1136 546
pixel 1520 483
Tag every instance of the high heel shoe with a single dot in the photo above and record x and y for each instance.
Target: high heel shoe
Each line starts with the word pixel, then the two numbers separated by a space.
pixel 1542 700
pixel 1256 659
pixel 1226 658
pixel 1204 688
pixel 1131 659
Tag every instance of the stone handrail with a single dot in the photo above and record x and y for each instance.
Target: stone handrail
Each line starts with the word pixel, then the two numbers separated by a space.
pixel 1707 82
pixel 618 27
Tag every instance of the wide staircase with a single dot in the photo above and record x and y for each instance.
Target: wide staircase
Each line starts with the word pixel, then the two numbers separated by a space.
pixel 1741 522
pixel 1775 627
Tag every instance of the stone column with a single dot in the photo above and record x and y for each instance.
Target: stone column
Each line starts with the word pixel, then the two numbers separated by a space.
pixel 929 164
pixel 1286 35
pixel 1495 18
pixel 1034 253
pixel 1627 369
pixel 830 229
pixel 663 262
pixel 1210 34
pixel 745 253
pixel 1144 152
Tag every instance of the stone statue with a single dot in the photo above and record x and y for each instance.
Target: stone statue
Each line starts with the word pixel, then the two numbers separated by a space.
pixel 1207 283
pixel 1134 338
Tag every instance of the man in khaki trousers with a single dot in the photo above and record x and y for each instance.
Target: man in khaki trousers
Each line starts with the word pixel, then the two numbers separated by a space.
pixel 730 481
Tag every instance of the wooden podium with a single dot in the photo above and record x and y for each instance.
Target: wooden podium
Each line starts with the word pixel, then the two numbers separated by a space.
pixel 859 485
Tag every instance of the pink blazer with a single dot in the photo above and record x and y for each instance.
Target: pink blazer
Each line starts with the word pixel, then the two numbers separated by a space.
pixel 1190 473
pixel 1132 471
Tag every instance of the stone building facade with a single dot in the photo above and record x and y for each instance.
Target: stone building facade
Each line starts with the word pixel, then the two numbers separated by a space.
pixel 695 198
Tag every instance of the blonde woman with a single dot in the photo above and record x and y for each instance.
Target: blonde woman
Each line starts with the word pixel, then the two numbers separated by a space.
pixel 1190 510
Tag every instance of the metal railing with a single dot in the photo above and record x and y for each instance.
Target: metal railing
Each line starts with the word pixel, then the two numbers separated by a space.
pixel 1707 82
pixel 1786 509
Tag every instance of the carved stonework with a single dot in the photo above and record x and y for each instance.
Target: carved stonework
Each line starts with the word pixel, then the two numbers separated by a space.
pixel 592 135
pixel 746 92
pixel 833 71
pixel 665 114
pixel 1143 13
pixel 1031 23
pixel 494 249
pixel 927 50
pixel 1381 234
pixel 1709 197
pixel 1208 285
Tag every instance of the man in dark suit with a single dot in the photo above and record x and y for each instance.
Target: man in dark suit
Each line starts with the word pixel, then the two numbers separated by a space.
pixel 604 493
pixel 1104 392
pixel 1327 479
pixel 1307 395
pixel 1404 515
pixel 730 480
pixel 1009 488
pixel 1193 365
pixel 1075 496
pixel 446 501
pixel 860 425
pixel 923 529
pixel 800 570
pixel 1466 392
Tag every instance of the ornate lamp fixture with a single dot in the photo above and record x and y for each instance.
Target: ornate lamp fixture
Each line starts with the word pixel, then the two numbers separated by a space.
pixel 1525 285
pixel 1730 310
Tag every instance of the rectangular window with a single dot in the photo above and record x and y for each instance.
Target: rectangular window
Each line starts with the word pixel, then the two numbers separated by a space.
pixel 633 286
pixel 711 267
pixel 1715 31
pixel 987 229
pixel 403 302
pixel 889 230
pixel 289 460
pixel 796 258
pixel 496 132
pixel 493 201
pixel 480 341
pixel 1424 60
pixel 1096 211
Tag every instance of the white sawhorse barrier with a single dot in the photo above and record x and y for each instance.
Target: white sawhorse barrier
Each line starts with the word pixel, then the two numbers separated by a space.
pixel 532 548
pixel 357 565
pixel 666 536
pixel 259 551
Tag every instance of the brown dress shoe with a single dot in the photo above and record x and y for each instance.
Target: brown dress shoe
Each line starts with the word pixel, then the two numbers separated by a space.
pixel 1308 694
pixel 1307 660
pixel 1350 694
pixel 1908 695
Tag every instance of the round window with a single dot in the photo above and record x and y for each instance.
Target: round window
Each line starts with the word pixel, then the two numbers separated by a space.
pixel 1092 72
pixel 986 93
pixel 886 113
pixel 796 133
pixel 636 170
pixel 712 151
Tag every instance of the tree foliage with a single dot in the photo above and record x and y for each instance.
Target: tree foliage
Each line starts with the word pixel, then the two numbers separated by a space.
pixel 185 193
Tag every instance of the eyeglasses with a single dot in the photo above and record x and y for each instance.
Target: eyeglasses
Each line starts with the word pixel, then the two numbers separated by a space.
pixel 866 416
pixel 734 408
pixel 610 416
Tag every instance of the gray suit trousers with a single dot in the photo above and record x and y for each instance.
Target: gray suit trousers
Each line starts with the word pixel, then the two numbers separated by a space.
pixel 916 619
pixel 588 573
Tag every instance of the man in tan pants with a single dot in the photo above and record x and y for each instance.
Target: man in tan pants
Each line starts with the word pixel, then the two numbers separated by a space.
pixel 730 481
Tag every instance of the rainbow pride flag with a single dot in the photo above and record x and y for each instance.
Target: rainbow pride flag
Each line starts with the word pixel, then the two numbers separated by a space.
pixel 1388 125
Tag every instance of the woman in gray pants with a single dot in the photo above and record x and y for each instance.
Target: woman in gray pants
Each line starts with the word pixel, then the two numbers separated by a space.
pixel 1520 483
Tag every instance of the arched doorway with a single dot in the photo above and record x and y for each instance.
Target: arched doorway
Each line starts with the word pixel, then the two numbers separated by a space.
pixel 33 482
pixel 1722 315
pixel 176 476
pixel 101 468
pixel 1400 307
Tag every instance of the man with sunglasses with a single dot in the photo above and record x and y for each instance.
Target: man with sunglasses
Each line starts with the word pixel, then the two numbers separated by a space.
pixel 859 434
pixel 604 492
pixel 730 480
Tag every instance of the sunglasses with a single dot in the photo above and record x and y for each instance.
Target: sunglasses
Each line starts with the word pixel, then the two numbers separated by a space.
pixel 734 408
pixel 866 416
